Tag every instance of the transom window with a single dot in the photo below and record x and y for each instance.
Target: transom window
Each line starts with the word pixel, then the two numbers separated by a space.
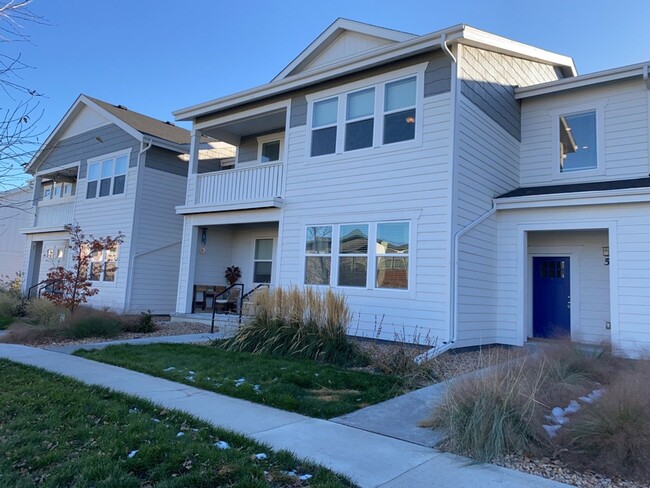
pixel 578 142
pixel 263 261
pixel 357 263
pixel 371 117
pixel 107 177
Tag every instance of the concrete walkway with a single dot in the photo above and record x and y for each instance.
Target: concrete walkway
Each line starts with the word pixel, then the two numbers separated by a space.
pixel 371 460
pixel 177 339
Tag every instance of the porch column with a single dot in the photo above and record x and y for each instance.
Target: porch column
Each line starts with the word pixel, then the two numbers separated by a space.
pixel 193 167
pixel 186 271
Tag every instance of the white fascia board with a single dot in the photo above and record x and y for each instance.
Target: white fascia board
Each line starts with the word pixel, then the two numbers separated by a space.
pixel 604 197
pixel 172 146
pixel 606 76
pixel 338 26
pixel 480 38
pixel 276 202
pixel 370 60
pixel 42 230
pixel 457 33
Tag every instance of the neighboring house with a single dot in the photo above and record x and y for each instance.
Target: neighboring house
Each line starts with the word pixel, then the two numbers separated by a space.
pixel 109 170
pixel 458 185
pixel 15 210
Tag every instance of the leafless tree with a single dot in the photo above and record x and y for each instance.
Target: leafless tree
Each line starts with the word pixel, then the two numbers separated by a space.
pixel 19 110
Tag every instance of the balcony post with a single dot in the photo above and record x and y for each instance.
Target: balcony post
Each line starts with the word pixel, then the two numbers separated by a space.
pixel 193 167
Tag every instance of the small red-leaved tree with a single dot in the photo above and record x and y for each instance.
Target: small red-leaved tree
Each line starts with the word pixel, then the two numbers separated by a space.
pixel 71 287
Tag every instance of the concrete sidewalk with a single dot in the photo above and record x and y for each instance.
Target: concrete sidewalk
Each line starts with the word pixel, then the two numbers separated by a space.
pixel 371 460
pixel 177 339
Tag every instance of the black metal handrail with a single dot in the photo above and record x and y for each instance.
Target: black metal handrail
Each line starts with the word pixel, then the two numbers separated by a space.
pixel 227 290
pixel 46 283
pixel 261 285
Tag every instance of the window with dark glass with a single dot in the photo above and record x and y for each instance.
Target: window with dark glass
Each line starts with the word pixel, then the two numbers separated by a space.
pixel 263 264
pixel 392 254
pixel 270 151
pixel 324 120
pixel 399 110
pixel 107 177
pixel 360 120
pixel 353 255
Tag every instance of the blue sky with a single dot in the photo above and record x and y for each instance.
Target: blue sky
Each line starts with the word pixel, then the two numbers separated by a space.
pixel 156 56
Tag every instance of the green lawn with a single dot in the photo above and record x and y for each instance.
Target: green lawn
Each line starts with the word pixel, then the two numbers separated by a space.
pixel 5 322
pixel 301 386
pixel 56 432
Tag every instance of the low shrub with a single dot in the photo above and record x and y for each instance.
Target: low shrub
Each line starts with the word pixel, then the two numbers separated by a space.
pixel 93 325
pixel 297 323
pixel 144 324
pixel 40 311
pixel 10 305
pixel 612 435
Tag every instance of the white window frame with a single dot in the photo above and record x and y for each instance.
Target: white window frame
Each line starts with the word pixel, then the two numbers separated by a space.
pixel 372 255
pixel 379 83
pixel 338 255
pixel 577 109
pixel 104 261
pixel 272 260
pixel 261 140
pixel 98 160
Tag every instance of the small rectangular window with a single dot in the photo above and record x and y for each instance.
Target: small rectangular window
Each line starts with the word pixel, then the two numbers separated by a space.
pixel 359 127
pixel 353 255
pixel 262 266
pixel 399 110
pixel 318 250
pixel 270 151
pixel 578 150
pixel 324 119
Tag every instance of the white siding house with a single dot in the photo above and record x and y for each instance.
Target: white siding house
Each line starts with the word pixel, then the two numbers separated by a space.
pixel 15 210
pixel 110 170
pixel 441 182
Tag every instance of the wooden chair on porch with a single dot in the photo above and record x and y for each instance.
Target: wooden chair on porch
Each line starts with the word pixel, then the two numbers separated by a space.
pixel 204 292
pixel 229 302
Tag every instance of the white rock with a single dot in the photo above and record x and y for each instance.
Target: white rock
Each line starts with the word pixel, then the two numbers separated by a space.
pixel 171 368
pixel 551 430
pixel 222 445
pixel 132 453
pixel 573 407
pixel 305 477
pixel 261 455
pixel 155 420
pixel 557 412
pixel 180 434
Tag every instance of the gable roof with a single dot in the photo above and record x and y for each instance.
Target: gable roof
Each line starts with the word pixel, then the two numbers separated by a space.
pixel 139 126
pixel 460 34
pixel 332 33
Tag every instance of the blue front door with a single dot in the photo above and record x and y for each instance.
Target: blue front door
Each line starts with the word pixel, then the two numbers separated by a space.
pixel 551 297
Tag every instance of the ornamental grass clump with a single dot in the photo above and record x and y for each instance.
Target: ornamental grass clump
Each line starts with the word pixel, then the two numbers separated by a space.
pixel 297 323
pixel 494 413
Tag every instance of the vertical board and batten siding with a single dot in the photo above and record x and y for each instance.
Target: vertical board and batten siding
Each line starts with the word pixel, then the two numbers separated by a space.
pixel 625 130
pixel 159 233
pixel 15 212
pixel 628 252
pixel 106 215
pixel 593 281
pixel 354 188
pixel 487 165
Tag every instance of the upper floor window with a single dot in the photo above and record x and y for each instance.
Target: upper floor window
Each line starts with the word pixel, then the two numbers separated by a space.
pixel 578 144
pixel 51 190
pixel 378 115
pixel 107 176
pixel 270 148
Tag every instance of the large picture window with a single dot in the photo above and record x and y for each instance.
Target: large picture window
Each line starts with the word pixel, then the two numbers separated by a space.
pixel 342 255
pixel 373 116
pixel 107 177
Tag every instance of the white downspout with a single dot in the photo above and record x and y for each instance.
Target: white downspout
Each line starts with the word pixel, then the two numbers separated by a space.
pixel 144 147
pixel 437 350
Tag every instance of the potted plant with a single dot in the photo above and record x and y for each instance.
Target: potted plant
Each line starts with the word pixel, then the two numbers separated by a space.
pixel 233 274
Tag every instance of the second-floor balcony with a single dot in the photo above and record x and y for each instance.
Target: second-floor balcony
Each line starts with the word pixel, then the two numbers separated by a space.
pixel 54 215
pixel 238 161
pixel 240 186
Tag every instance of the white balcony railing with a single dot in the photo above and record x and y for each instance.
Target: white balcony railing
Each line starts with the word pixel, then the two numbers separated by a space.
pixel 240 185
pixel 56 215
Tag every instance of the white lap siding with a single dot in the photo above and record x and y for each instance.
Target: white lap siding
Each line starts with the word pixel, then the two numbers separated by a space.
pixel 407 183
pixel 629 271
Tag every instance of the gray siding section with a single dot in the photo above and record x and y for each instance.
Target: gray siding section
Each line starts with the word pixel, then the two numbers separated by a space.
pixel 248 149
pixel 298 111
pixel 437 77
pixel 87 146
pixel 165 160
pixel 439 82
pixel 489 80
